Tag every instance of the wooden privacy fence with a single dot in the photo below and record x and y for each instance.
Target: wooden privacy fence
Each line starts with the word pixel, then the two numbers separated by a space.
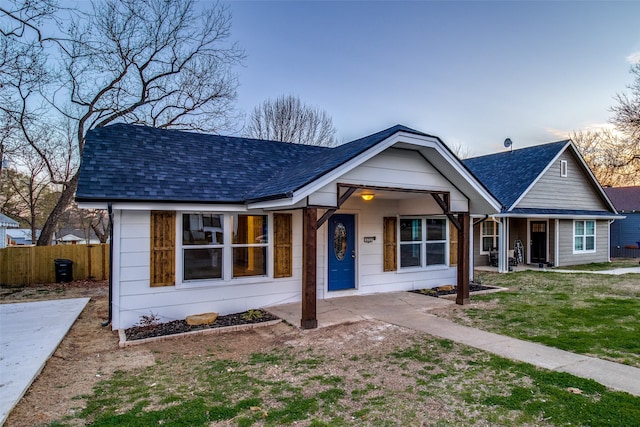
pixel 24 265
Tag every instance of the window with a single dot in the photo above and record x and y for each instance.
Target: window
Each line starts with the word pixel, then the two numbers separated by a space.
pixel 563 168
pixel 249 245
pixel 490 234
pixel 584 236
pixel 423 242
pixel 202 246
pixel 204 251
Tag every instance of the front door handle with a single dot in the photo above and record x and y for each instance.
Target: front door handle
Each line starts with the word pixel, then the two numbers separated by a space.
pixel 353 254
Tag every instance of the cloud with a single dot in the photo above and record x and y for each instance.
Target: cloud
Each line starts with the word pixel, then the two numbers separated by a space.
pixel 589 127
pixel 634 58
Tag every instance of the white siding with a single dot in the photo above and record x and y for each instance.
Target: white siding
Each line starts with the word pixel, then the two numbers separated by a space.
pixel 394 168
pixel 555 192
pixel 565 244
pixel 133 297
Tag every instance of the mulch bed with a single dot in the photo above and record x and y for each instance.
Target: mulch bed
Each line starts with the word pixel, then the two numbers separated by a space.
pixel 437 292
pixel 181 326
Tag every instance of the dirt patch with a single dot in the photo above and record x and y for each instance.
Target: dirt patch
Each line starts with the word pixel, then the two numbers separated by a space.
pixel 90 353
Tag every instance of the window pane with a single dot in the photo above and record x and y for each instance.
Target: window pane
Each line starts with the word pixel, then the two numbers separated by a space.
pixel 410 230
pixel 578 246
pixel 435 253
pixel 579 228
pixel 436 229
pixel 487 228
pixel 248 229
pixel 590 243
pixel 202 263
pixel 590 228
pixel 202 229
pixel 249 261
pixel 487 244
pixel 410 255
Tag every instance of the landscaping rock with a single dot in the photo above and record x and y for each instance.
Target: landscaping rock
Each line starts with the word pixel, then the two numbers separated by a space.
pixel 201 319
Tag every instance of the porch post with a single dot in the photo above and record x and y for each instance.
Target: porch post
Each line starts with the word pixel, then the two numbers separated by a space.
pixel 464 234
pixel 309 260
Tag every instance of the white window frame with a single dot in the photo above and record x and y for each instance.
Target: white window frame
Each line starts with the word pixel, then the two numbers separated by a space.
pixel 564 168
pixel 584 236
pixel 495 236
pixel 227 252
pixel 423 242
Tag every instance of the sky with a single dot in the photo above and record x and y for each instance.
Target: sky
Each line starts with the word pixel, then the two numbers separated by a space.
pixel 471 73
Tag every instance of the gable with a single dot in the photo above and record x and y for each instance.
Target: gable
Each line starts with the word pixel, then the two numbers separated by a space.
pixel 393 168
pixel 508 174
pixel 576 191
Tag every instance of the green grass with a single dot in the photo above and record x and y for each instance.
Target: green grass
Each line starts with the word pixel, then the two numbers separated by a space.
pixel 428 381
pixel 590 314
pixel 600 266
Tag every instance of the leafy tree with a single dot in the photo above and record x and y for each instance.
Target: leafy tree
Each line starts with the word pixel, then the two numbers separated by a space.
pixel 162 63
pixel 287 119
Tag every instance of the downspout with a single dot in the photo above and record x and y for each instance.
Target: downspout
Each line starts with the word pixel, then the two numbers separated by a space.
pixel 110 214
pixel 611 221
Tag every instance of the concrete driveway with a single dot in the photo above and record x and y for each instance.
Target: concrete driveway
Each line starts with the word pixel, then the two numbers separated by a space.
pixel 29 334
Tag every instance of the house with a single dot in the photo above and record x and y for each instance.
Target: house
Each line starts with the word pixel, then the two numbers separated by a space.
pixel 213 223
pixel 625 232
pixel 21 236
pixel 6 222
pixel 76 236
pixel 554 212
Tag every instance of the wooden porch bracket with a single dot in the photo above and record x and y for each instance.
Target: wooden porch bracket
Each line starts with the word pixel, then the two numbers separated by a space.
pixel 309 318
pixel 464 238
pixel 444 201
pixel 341 200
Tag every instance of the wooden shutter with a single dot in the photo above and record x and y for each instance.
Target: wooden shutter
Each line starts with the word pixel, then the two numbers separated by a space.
pixel 453 244
pixel 390 242
pixel 163 248
pixel 282 245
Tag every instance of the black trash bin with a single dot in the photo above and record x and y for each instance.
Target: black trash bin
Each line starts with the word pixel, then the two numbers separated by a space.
pixel 64 270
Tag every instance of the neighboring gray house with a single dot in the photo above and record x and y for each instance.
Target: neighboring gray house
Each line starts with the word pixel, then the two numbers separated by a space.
pixel 553 208
pixel 625 232
pixel 6 222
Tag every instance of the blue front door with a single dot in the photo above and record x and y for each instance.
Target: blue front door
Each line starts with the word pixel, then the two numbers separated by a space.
pixel 342 252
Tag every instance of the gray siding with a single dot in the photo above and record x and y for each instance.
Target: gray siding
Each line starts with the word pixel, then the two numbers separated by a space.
pixel 478 260
pixel 567 257
pixel 571 192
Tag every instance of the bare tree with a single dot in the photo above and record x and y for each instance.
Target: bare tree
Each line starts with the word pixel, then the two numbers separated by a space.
pixel 163 63
pixel 26 191
pixel 627 111
pixel 610 156
pixel 460 150
pixel 287 119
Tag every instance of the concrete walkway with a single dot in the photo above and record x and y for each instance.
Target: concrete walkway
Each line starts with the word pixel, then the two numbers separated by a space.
pixel 29 334
pixel 614 271
pixel 411 310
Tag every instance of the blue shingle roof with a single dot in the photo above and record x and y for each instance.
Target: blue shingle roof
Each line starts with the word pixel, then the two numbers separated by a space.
pixel 508 174
pixel 138 163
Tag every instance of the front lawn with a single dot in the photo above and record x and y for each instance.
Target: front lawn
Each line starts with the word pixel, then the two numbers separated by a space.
pixel 424 381
pixel 592 314
pixel 601 266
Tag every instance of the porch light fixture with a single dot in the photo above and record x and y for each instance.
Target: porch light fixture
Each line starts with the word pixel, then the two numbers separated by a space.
pixel 367 197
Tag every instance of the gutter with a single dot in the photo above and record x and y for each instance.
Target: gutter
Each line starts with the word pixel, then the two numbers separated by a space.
pixel 110 214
